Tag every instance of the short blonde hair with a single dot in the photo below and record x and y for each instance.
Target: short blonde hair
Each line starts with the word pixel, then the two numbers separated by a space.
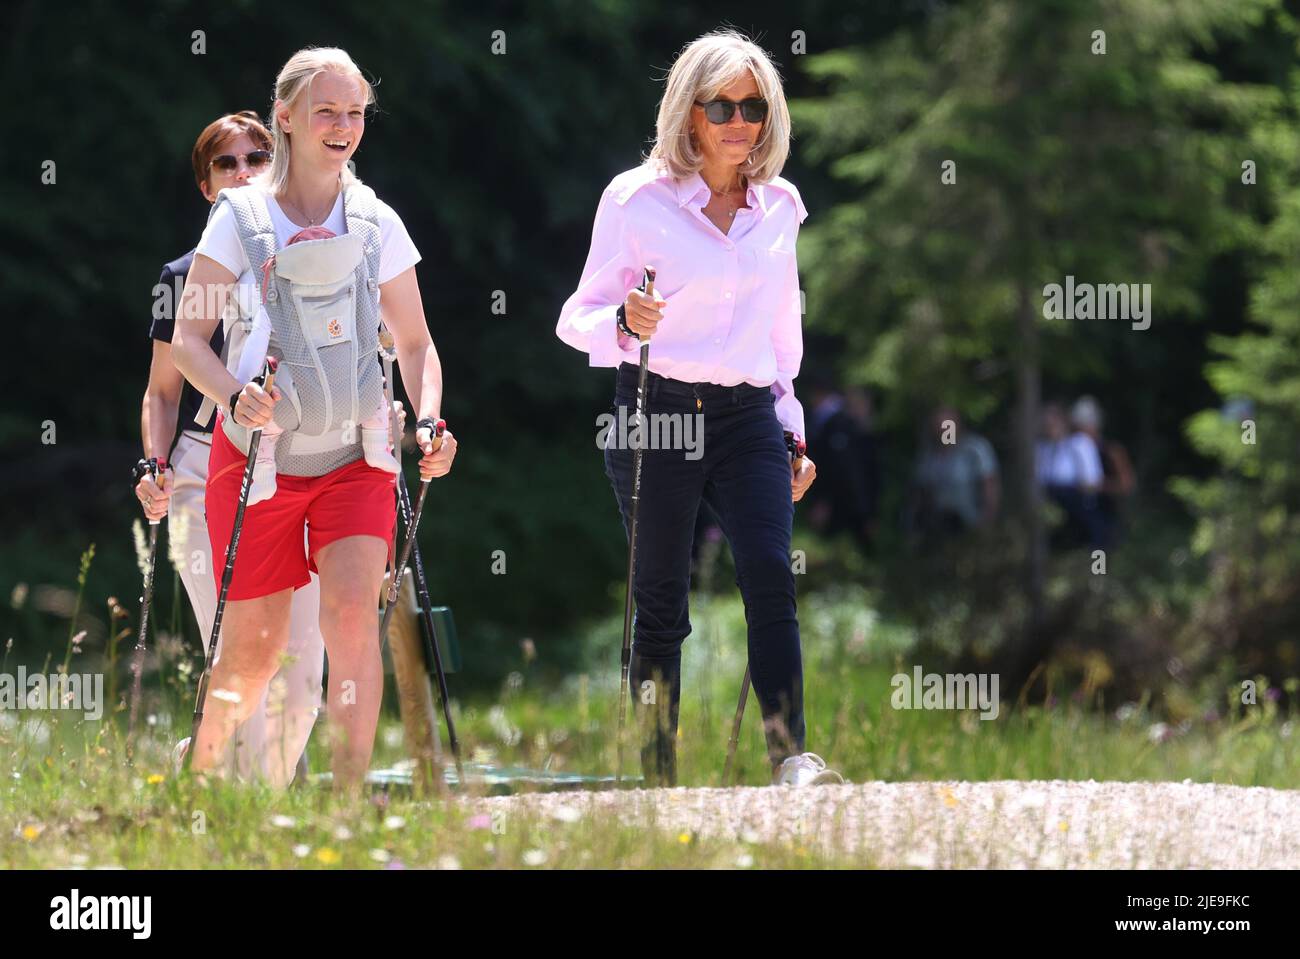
pixel 295 79
pixel 704 68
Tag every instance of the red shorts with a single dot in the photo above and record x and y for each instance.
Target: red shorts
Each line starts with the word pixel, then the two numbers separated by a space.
pixel 353 500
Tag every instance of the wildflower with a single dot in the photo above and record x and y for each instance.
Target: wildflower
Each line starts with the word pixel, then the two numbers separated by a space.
pixel 31 831
pixel 141 550
pixel 342 833
pixel 566 814
pixel 684 838
pixel 283 822
pixel 301 850
pixel 448 862
pixel 481 821
pixel 380 855
pixel 534 857
pixel 155 779
pixel 327 856
pixel 744 860
pixel 394 822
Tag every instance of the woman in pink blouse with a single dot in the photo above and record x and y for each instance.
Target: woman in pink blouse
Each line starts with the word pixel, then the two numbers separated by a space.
pixel 709 212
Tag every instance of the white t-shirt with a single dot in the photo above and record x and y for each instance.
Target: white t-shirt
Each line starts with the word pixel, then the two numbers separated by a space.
pixel 1073 461
pixel 220 240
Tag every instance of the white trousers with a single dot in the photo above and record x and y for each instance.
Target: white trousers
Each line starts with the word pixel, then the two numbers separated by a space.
pixel 267 746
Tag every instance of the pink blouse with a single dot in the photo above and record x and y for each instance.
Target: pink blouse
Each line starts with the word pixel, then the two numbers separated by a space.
pixel 733 312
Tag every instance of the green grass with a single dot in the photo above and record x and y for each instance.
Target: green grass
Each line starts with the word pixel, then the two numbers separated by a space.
pixel 68 796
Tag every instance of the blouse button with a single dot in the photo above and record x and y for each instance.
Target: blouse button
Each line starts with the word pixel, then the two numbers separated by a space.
pixel 728 294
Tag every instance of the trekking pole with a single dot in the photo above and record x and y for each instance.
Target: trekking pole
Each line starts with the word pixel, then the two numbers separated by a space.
pixel 432 651
pixel 626 662
pixel 267 381
pixel 797 450
pixel 395 581
pixel 150 467
pixel 735 727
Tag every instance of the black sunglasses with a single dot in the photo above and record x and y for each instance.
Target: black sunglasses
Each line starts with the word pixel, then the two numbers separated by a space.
pixel 753 110
pixel 229 163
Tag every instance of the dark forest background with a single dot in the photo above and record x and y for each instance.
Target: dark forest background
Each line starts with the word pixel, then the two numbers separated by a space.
pixel 1117 167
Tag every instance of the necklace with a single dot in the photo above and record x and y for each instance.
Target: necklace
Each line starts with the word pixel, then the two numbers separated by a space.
pixel 311 220
pixel 724 194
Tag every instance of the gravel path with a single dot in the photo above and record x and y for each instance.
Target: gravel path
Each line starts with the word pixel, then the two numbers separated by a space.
pixel 1001 825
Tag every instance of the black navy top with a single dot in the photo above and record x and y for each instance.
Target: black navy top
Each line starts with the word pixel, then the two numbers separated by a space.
pixel 167 296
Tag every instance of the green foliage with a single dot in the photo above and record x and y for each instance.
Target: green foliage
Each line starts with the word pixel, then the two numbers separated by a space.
pixel 1121 167
pixel 1248 513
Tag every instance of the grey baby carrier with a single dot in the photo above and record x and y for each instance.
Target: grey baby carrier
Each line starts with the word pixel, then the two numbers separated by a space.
pixel 322 300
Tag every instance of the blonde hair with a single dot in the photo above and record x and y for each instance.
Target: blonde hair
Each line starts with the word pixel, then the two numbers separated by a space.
pixel 293 81
pixel 704 68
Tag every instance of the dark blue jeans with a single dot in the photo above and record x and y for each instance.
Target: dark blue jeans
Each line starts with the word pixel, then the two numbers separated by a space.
pixel 742 471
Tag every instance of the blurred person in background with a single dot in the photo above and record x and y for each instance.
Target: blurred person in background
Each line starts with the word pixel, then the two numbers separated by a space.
pixel 1117 482
pixel 957 487
pixel 1069 471
pixel 847 499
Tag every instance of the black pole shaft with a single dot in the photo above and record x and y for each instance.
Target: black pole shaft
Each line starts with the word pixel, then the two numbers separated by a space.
pixel 226 575
pixel 433 653
pixel 395 581
pixel 625 663
pixel 255 439
pixel 137 660
pixel 735 728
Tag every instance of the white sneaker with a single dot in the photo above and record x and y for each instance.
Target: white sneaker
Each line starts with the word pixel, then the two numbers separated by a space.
pixel 178 754
pixel 808 769
pixel 264 485
pixel 375 448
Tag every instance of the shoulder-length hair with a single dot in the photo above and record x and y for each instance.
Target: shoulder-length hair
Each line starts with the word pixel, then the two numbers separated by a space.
pixel 294 80
pixel 704 68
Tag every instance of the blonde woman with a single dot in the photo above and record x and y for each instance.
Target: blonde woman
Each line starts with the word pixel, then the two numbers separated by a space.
pixel 272 744
pixel 710 213
pixel 358 258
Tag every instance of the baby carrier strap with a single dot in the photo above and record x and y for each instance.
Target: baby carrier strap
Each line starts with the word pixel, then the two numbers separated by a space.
pixel 257 237
pixel 361 208
pixel 256 231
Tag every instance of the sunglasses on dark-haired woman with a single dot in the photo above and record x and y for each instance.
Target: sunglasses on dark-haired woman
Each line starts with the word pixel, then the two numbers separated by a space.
pixel 229 162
